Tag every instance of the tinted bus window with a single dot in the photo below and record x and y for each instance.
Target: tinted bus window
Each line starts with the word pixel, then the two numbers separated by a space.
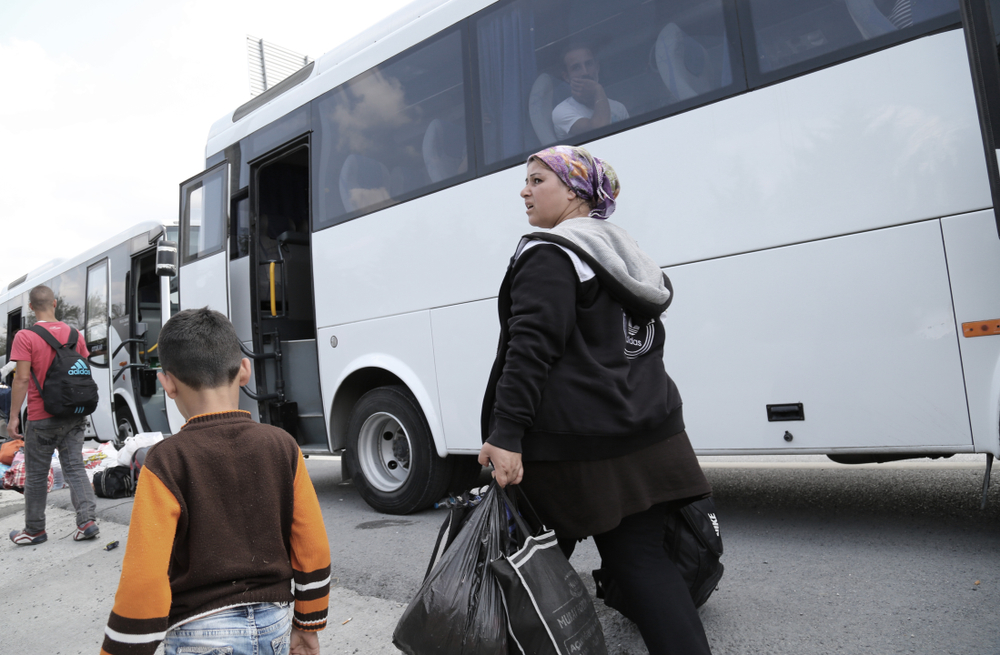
pixel 392 132
pixel 70 293
pixel 240 227
pixel 203 216
pixel 553 72
pixel 96 331
pixel 801 34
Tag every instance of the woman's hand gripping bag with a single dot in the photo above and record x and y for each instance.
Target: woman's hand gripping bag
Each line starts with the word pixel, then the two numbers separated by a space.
pixel 549 609
pixel 458 609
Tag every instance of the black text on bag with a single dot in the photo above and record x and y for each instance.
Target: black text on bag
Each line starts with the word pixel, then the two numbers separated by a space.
pixel 69 388
pixel 693 542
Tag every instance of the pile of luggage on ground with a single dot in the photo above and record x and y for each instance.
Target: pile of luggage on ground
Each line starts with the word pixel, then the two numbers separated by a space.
pixel 113 471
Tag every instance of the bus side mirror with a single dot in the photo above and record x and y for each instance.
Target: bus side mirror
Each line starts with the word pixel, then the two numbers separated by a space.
pixel 166 258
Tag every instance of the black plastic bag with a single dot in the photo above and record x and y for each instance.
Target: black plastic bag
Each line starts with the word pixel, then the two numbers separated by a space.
pixel 459 608
pixel 549 610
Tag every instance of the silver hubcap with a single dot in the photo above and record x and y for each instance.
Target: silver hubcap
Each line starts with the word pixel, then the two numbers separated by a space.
pixel 124 429
pixel 384 452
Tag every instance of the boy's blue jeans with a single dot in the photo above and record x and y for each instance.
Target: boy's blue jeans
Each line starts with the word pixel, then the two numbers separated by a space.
pixel 259 629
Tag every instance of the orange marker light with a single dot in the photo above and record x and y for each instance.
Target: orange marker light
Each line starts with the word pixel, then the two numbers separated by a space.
pixel 981 328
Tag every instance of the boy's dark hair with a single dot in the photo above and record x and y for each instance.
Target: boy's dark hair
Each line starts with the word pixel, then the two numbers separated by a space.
pixel 200 348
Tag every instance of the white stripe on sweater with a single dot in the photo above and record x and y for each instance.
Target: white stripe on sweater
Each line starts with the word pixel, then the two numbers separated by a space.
pixel 125 638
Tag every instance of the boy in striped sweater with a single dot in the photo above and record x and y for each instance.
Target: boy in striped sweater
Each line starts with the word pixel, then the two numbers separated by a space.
pixel 226 545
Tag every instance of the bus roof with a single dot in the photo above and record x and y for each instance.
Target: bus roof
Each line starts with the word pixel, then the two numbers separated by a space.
pixel 45 271
pixel 393 34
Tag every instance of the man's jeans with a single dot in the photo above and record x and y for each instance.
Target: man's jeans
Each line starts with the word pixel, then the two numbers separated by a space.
pixel 259 629
pixel 41 438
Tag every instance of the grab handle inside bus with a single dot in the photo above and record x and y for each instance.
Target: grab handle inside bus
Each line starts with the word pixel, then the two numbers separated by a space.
pixel 274 306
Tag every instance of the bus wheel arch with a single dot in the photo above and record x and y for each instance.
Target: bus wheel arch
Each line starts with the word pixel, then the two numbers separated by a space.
pixel 390 452
pixel 349 393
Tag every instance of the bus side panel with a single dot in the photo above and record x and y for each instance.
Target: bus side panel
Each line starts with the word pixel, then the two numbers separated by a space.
pixel 886 139
pixel 465 343
pixel 859 329
pixel 443 249
pixel 974 266
pixel 400 345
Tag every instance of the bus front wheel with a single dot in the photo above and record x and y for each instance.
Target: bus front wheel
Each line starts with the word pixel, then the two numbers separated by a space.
pixel 391 454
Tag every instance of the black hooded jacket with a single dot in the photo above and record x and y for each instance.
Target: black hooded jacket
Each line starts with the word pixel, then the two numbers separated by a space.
pixel 579 369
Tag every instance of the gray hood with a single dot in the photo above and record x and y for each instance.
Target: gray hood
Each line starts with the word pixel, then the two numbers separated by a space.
pixel 617 255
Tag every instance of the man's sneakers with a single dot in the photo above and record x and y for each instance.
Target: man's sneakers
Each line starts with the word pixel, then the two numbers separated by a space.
pixel 23 538
pixel 88 530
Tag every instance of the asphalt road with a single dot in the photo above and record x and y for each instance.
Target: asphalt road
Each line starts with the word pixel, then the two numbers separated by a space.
pixel 818 560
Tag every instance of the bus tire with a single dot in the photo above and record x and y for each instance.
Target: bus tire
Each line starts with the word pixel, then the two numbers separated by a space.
pixel 124 426
pixel 391 454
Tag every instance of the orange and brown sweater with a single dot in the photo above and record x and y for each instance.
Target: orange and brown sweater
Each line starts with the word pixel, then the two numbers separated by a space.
pixel 224 515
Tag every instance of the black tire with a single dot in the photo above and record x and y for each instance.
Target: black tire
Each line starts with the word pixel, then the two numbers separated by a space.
pixel 391 455
pixel 124 426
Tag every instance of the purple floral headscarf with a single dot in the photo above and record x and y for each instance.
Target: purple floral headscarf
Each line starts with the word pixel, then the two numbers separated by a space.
pixel 591 178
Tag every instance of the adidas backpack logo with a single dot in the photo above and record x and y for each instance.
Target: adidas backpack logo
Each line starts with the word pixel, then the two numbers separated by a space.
pixel 70 389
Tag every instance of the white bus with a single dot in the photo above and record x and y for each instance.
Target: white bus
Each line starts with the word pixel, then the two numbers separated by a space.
pixel 817 177
pixel 114 297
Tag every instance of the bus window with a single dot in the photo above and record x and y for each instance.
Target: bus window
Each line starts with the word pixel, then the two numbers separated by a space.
pixel 392 131
pixel 555 72
pixel 790 32
pixel 70 292
pixel 204 218
pixel 240 237
pixel 96 331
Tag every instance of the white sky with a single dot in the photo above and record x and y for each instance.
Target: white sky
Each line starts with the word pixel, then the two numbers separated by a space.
pixel 105 106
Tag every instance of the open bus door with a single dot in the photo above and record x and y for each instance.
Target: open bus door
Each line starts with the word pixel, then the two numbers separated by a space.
pixel 13 325
pixel 203 257
pixel 148 301
pixel 282 311
pixel 204 253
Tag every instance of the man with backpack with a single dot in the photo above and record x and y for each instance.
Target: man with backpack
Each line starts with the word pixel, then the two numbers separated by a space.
pixel 61 393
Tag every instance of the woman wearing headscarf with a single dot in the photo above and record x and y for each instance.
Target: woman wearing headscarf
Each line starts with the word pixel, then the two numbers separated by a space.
pixel 579 409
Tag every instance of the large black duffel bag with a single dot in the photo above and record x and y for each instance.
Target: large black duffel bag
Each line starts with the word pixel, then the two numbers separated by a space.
pixel 113 482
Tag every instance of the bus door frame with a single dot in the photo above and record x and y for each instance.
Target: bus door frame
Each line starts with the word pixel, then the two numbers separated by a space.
pixel 985 67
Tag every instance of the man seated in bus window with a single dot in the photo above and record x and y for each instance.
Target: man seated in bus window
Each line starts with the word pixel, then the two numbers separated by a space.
pixel 588 107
